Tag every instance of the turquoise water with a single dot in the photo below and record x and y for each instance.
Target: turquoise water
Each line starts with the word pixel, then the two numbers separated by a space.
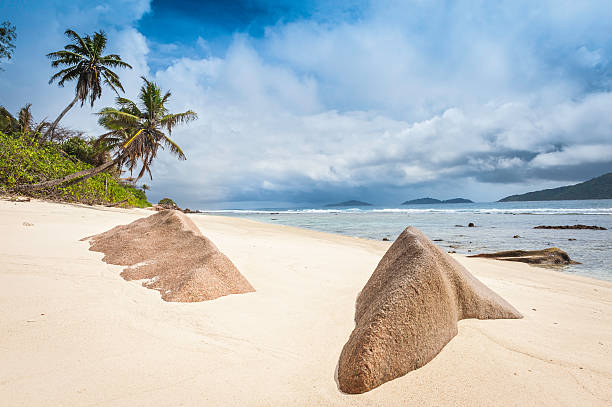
pixel 496 224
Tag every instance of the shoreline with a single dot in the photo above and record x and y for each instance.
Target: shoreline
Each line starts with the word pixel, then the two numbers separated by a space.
pixel 77 333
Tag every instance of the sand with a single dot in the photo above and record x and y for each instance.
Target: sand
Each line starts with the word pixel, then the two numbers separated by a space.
pixel 75 333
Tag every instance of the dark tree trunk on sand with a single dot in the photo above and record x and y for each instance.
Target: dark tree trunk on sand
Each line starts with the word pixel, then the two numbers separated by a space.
pixel 51 129
pixel 71 179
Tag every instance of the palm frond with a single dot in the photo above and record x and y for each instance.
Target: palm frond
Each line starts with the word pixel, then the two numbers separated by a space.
pixel 114 62
pixel 99 42
pixel 174 148
pixel 77 38
pixel 171 120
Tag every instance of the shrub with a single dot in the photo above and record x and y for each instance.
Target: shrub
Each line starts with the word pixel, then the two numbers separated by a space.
pixel 167 202
pixel 79 148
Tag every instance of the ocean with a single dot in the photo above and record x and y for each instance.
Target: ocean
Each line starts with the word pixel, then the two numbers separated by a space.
pixel 495 225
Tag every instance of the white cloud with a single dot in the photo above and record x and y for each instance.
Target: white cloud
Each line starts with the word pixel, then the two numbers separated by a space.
pixel 573 156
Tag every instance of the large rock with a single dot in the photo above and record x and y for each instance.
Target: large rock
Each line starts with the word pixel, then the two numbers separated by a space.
pixel 408 311
pixel 168 250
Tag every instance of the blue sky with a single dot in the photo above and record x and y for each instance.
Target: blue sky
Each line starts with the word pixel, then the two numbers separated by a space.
pixel 304 103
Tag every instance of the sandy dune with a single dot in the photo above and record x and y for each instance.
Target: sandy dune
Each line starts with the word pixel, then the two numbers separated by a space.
pixel 73 332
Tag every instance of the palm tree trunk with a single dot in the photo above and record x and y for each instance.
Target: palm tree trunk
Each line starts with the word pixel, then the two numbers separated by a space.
pixel 70 179
pixel 51 129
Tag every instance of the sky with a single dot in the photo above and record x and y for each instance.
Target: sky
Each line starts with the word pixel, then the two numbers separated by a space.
pixel 303 103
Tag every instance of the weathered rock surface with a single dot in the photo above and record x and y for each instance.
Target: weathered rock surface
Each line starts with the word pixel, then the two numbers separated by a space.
pixel 408 311
pixel 551 256
pixel 168 250
pixel 571 227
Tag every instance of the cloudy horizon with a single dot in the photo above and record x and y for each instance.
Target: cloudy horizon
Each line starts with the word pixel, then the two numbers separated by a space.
pixel 302 103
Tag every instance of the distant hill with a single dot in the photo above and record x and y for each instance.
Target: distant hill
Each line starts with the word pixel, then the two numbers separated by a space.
pixel 458 200
pixel 429 201
pixel 596 188
pixel 349 203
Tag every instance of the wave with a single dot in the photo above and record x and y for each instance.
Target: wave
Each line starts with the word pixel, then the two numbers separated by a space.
pixel 493 211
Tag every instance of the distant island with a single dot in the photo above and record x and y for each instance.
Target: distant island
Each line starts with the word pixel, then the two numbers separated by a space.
pixel 349 203
pixel 596 188
pixel 429 201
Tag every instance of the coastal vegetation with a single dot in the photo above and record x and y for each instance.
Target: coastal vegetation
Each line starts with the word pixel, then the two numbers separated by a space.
pixel 596 188
pixel 23 160
pixel 167 202
pixel 47 160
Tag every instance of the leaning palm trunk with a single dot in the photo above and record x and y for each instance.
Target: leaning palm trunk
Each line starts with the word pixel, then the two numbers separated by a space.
pixel 51 129
pixel 71 179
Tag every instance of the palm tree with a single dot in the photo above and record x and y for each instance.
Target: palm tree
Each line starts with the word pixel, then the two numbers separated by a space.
pixel 83 60
pixel 136 133
pixel 23 124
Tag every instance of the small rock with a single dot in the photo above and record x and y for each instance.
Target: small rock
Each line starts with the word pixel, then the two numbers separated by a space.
pixel 516 237
pixel 385 239
pixel 438 240
pixel 571 239
pixel 28 224
pixel 471 225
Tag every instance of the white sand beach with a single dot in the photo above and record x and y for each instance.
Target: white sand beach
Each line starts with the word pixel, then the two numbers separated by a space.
pixel 74 333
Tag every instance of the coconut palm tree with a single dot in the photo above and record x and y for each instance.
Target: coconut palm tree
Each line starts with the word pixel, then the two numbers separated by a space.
pixel 137 131
pixel 84 61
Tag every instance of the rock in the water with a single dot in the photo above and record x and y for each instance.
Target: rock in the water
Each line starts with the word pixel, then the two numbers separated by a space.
pixel 408 311
pixel 551 256
pixel 168 250
pixel 587 227
pixel 471 225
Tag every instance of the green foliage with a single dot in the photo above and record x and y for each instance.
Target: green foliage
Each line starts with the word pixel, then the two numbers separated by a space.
pixel 8 35
pixel 83 60
pixel 596 188
pixel 79 148
pixel 140 196
pixel 137 130
pixel 167 201
pixel 7 121
pixel 21 162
